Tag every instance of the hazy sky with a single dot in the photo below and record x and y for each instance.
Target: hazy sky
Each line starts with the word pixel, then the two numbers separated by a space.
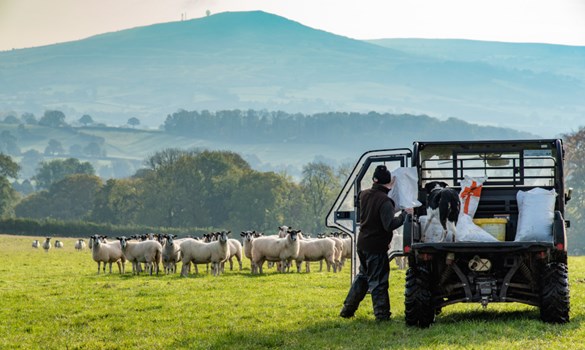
pixel 27 23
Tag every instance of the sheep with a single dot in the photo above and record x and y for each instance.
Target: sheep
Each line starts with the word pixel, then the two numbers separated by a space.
pixel 107 252
pixel 35 243
pixel 338 249
pixel 171 253
pixel 58 244
pixel 316 250
pixel 281 250
pixel 80 244
pixel 148 252
pixel 198 252
pixel 47 244
pixel 346 253
pixel 396 245
pixel 235 250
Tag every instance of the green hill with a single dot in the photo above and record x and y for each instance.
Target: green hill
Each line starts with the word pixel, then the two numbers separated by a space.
pixel 256 60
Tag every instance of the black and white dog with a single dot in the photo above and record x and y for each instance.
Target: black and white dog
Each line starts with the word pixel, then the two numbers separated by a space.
pixel 442 202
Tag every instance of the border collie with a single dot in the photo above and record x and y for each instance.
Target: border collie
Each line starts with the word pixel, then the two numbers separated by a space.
pixel 442 202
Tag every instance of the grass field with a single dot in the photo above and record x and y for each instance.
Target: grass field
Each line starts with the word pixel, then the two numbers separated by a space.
pixel 56 300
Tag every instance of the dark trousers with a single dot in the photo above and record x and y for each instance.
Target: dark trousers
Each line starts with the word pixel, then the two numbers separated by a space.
pixel 373 276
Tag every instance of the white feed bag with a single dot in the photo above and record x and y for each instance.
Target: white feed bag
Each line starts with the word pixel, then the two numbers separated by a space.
pixel 404 191
pixel 468 231
pixel 535 215
pixel 434 233
pixel 470 193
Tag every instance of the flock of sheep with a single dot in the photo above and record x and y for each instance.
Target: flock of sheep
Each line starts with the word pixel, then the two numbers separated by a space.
pixel 287 247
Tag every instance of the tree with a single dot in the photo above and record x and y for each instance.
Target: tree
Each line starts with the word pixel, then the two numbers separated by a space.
pixel 93 149
pixel 54 148
pixel 574 144
pixel 53 119
pixel 56 170
pixel 117 202
pixel 29 162
pixel 36 206
pixel 28 118
pixel 8 196
pixel 319 188
pixel 72 198
pixel 86 119
pixel 8 168
pixel 10 119
pixel 8 143
pixel 133 122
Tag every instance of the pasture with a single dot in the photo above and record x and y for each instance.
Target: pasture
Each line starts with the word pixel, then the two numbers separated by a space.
pixel 56 300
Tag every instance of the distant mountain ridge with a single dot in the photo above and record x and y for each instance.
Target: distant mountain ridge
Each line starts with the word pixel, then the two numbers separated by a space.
pixel 256 60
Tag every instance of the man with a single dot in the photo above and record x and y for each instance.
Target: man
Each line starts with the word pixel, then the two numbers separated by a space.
pixel 377 222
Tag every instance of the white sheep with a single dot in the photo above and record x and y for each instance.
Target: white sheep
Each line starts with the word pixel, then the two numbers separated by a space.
pixel 80 244
pixel 148 252
pixel 248 237
pixel 338 249
pixel 346 253
pixel 396 245
pixel 235 250
pixel 107 252
pixel 58 244
pixel 316 250
pixel 171 253
pixel 282 250
pixel 199 252
pixel 35 243
pixel 47 244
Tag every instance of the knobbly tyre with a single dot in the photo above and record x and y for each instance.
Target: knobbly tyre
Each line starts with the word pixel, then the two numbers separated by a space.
pixel 444 273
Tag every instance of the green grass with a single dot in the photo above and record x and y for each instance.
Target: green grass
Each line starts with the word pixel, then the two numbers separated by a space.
pixel 56 300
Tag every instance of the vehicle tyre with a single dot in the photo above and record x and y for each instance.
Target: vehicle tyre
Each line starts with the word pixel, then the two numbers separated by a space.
pixel 554 297
pixel 418 305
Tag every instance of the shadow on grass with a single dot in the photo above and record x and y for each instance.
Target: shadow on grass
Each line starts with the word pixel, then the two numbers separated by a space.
pixel 469 330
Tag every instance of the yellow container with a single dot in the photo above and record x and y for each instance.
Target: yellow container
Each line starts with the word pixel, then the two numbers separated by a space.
pixel 494 226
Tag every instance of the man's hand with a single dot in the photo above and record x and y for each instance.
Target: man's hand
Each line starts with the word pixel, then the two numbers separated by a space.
pixel 409 211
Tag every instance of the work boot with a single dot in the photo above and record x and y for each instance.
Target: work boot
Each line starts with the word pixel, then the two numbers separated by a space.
pixel 346 312
pixel 381 303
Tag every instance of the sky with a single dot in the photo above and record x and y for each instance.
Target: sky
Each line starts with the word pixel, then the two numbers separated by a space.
pixel 29 23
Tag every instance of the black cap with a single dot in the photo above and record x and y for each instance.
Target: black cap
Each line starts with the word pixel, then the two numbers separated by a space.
pixel 382 175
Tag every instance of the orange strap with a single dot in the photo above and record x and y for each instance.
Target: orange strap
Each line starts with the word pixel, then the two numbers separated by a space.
pixel 473 191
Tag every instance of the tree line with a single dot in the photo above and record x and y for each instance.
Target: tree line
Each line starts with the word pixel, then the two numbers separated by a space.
pixel 361 130
pixel 179 188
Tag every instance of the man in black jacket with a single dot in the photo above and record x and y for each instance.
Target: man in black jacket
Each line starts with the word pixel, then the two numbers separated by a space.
pixel 377 221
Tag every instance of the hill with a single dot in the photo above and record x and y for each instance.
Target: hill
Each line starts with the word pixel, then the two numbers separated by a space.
pixel 256 60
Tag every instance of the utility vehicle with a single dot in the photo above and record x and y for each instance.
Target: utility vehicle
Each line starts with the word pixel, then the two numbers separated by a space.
pixel 445 273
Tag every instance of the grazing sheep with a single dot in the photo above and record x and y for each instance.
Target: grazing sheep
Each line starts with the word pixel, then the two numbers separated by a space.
pixel 80 244
pixel 47 244
pixel 282 250
pixel 107 252
pixel 346 253
pixel 35 243
pixel 148 252
pixel 58 244
pixel 235 250
pixel 198 252
pixel 316 250
pixel 171 253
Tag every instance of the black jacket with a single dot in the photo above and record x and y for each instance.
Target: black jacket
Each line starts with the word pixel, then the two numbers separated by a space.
pixel 377 220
